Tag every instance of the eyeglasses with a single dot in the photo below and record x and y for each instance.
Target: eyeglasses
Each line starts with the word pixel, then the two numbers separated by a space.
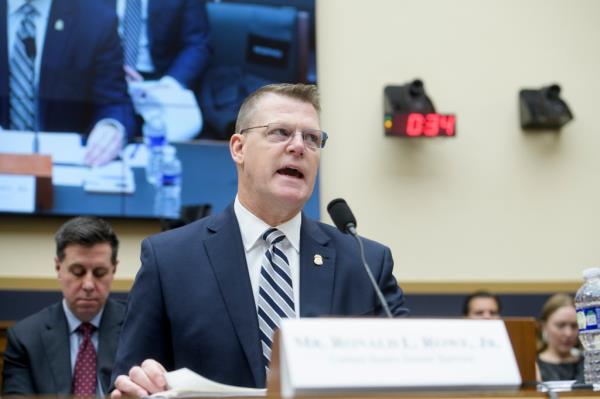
pixel 281 133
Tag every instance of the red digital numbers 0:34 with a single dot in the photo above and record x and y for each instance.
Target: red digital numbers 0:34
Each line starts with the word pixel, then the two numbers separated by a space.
pixel 421 125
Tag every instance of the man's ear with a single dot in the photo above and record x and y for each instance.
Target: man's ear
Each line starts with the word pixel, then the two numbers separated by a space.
pixel 236 147
pixel 56 264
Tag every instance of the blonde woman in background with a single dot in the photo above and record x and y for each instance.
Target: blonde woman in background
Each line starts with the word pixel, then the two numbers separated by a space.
pixel 558 355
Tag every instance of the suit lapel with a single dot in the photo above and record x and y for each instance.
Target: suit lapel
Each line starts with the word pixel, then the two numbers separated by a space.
pixel 4 66
pixel 154 11
pixel 110 326
pixel 316 281
pixel 228 260
pixel 61 27
pixel 56 344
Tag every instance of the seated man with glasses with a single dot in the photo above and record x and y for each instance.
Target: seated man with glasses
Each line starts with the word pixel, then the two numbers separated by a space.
pixel 210 295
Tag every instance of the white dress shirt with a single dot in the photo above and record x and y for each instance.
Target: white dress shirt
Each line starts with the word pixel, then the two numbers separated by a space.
pixel 252 228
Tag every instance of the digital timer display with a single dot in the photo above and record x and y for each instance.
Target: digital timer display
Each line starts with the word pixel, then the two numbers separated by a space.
pixel 420 125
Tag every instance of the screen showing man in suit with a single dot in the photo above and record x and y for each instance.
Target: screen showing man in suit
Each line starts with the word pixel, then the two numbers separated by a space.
pixel 164 39
pixel 101 89
pixel 62 71
pixel 69 347
pixel 166 48
pixel 209 295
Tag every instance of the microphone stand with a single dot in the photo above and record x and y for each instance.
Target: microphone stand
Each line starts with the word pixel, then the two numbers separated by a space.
pixel 382 300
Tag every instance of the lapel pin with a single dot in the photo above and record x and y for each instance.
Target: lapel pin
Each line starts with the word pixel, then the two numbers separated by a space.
pixel 59 25
pixel 318 260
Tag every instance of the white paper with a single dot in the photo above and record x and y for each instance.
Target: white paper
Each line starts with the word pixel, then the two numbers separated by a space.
pixel 17 193
pixel 63 147
pixel 177 106
pixel 556 386
pixel 115 177
pixel 135 155
pixel 66 175
pixel 184 383
pixel 16 142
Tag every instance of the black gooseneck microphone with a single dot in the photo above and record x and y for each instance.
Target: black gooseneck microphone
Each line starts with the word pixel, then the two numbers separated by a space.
pixel 345 221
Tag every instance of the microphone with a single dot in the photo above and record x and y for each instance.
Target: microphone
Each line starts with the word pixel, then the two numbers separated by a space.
pixel 342 215
pixel 30 48
pixel 346 222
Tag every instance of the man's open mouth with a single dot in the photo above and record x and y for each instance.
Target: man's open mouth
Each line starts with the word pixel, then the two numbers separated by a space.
pixel 291 172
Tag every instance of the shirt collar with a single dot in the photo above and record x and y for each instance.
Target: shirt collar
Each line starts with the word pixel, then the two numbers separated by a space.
pixel 42 7
pixel 74 322
pixel 252 228
pixel 15 5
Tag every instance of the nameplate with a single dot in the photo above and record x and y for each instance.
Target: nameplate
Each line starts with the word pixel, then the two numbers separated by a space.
pixel 17 193
pixel 329 356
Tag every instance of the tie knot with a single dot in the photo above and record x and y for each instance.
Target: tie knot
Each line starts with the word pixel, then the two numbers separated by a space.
pixel 28 9
pixel 272 236
pixel 86 328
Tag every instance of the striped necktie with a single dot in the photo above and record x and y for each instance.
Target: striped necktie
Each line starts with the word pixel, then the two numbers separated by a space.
pixel 131 31
pixel 275 291
pixel 22 72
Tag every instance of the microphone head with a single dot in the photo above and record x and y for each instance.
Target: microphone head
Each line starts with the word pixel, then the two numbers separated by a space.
pixel 341 214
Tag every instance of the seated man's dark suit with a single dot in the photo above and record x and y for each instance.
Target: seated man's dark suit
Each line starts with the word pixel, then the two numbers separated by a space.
pixel 178 39
pixel 81 72
pixel 37 358
pixel 192 303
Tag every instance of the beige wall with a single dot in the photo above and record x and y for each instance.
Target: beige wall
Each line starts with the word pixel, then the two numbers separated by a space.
pixel 492 204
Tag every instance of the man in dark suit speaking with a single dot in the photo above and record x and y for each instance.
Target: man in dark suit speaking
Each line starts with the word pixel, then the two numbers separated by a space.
pixel 69 347
pixel 209 295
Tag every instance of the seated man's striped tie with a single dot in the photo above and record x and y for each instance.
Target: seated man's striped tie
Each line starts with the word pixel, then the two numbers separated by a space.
pixel 22 72
pixel 275 291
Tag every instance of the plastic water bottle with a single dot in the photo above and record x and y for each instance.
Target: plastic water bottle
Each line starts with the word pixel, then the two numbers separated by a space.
pixel 168 193
pixel 155 135
pixel 587 303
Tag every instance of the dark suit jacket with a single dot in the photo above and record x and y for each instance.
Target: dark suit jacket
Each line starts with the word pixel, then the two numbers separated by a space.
pixel 37 358
pixel 179 39
pixel 81 74
pixel 192 303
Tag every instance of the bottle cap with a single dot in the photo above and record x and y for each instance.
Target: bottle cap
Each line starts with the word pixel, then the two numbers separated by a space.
pixel 170 151
pixel 154 121
pixel 591 272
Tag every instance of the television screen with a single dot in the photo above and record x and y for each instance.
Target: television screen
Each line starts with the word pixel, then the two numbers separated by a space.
pixel 124 108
